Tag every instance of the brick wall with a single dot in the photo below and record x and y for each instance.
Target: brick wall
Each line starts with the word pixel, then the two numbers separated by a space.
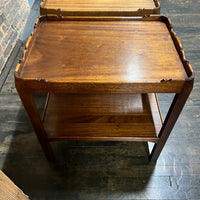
pixel 13 16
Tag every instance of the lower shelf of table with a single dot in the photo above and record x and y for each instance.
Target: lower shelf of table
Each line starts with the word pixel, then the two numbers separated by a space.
pixel 107 117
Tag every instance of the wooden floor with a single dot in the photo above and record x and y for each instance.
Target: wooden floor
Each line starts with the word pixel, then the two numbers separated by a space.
pixel 109 170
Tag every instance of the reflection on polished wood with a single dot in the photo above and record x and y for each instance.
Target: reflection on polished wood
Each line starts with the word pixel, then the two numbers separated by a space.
pixel 143 51
pixel 97 55
pixel 107 57
pixel 101 117
pixel 100 7
pixel 110 170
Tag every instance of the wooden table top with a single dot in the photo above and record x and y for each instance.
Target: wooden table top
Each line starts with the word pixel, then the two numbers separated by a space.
pixel 115 52
pixel 100 6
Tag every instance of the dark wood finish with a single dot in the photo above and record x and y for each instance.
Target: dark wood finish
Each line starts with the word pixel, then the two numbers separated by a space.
pixel 116 117
pixel 103 56
pixel 29 104
pixel 155 112
pixel 124 63
pixel 171 118
pixel 110 170
pixel 100 8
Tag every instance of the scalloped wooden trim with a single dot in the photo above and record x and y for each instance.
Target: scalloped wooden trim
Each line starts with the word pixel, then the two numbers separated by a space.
pixel 163 19
pixel 17 69
pixel 27 49
pixel 139 12
pixel 42 7
pixel 157 3
pixel 178 45
pixel 43 3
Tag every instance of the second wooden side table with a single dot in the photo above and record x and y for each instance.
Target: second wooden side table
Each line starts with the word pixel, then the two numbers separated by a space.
pixel 100 8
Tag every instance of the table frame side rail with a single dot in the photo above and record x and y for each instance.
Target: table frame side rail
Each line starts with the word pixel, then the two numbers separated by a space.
pixel 156 113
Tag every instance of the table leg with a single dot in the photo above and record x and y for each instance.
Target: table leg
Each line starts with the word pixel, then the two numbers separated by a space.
pixel 171 118
pixel 31 109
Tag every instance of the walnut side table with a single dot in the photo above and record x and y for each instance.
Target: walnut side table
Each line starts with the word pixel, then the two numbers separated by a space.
pixel 102 76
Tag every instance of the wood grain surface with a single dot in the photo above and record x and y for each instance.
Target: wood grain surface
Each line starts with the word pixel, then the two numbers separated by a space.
pixel 109 170
pixel 8 190
pixel 95 54
pixel 71 5
pixel 99 7
pixel 101 117
pixel 111 52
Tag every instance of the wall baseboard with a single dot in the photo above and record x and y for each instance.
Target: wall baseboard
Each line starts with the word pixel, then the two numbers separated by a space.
pixel 9 63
